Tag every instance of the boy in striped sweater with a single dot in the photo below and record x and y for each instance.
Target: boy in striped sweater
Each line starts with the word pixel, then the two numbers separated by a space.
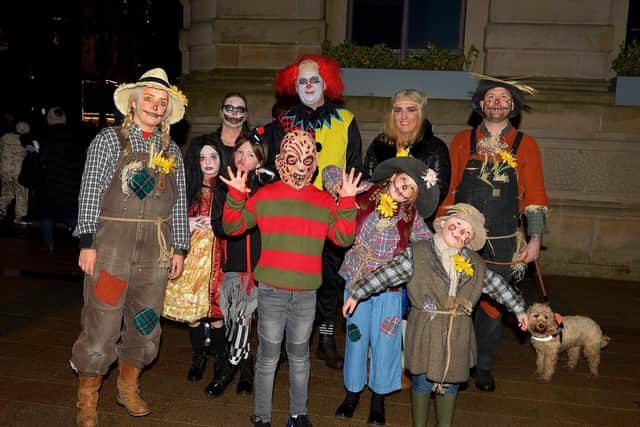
pixel 294 219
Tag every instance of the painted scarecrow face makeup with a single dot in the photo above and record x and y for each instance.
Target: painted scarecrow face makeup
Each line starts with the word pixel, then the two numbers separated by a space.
pixel 234 112
pixel 150 108
pixel 403 188
pixel 209 161
pixel 497 104
pixel 310 85
pixel 297 160
pixel 456 232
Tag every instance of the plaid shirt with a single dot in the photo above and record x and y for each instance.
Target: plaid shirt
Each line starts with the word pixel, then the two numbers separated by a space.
pixel 399 271
pixel 99 169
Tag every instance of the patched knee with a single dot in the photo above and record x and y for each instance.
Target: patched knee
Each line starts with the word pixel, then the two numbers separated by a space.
pixel 390 326
pixel 298 350
pixel 269 349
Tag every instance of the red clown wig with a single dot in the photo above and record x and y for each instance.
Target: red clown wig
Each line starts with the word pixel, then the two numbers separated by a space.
pixel 329 70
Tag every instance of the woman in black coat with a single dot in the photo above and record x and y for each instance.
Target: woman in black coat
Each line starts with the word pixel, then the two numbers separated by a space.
pixel 407 132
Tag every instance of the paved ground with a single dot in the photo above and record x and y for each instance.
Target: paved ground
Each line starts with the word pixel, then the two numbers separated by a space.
pixel 40 301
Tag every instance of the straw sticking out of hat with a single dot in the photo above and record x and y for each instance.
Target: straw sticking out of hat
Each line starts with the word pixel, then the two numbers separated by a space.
pixel 524 88
pixel 155 78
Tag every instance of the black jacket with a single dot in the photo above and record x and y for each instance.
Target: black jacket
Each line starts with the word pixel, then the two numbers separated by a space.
pixel 428 148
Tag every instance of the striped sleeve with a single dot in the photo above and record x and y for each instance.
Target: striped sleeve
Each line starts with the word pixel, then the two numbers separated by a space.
pixel 342 224
pixel 238 214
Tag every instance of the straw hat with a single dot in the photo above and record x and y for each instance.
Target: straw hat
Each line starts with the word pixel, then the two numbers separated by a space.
pixel 471 215
pixel 157 79
pixel 425 178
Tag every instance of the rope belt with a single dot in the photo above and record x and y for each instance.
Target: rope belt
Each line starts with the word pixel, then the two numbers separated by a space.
pixel 365 254
pixel 466 308
pixel 165 254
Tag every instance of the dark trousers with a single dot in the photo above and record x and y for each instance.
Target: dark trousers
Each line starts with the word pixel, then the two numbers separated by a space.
pixel 329 295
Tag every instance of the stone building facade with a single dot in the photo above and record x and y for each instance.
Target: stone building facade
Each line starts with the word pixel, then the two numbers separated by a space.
pixel 590 147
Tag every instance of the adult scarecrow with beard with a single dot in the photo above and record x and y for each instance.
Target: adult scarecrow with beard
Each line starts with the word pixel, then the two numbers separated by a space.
pixel 498 170
pixel 316 81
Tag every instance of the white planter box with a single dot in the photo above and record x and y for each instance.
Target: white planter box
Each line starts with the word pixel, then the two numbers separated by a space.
pixel 385 83
pixel 627 90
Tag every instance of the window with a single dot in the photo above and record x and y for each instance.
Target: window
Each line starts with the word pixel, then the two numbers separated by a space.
pixel 407 24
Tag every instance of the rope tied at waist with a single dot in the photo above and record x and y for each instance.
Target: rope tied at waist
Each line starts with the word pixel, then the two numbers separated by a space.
pixel 462 307
pixel 165 254
pixel 366 254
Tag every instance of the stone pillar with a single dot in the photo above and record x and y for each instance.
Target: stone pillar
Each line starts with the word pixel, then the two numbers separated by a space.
pixel 250 34
pixel 575 39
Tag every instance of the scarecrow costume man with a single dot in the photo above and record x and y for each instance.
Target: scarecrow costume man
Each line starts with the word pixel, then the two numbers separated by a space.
pixel 134 234
pixel 317 83
pixel 498 170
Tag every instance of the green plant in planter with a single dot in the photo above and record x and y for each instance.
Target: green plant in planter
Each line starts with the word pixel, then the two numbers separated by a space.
pixel 351 55
pixel 627 63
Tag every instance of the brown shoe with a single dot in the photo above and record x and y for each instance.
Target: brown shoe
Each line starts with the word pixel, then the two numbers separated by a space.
pixel 88 400
pixel 128 392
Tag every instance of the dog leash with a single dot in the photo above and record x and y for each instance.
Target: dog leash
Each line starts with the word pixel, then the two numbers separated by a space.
pixel 545 295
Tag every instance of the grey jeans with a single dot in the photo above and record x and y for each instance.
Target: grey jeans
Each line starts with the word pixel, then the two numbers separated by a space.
pixel 281 310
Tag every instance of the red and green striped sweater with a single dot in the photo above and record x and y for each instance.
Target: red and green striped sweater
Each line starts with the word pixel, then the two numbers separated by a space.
pixel 293 226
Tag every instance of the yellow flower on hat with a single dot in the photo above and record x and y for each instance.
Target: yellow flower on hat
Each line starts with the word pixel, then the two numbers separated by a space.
pixel 185 100
pixel 386 206
pixel 462 265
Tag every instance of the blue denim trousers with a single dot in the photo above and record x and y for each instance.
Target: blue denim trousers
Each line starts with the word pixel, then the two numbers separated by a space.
pixel 281 310
pixel 421 384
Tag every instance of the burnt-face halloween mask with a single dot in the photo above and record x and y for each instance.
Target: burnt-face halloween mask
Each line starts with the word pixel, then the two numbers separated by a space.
pixel 297 160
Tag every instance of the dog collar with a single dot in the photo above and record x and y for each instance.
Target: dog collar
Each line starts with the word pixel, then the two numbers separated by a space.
pixel 543 339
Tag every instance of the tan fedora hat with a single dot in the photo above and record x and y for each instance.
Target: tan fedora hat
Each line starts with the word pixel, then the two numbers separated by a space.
pixel 155 78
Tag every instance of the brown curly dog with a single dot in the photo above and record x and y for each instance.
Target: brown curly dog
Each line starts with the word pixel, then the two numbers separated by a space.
pixel 550 336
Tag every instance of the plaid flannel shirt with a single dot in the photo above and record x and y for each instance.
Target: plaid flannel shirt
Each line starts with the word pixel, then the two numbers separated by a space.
pixel 99 168
pixel 396 272
pixel 399 271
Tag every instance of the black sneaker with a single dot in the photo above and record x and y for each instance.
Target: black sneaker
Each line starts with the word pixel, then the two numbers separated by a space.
pixel 299 421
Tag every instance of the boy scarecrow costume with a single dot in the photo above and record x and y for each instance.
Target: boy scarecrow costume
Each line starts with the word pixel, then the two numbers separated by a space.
pixel 498 170
pixel 317 83
pixel 132 217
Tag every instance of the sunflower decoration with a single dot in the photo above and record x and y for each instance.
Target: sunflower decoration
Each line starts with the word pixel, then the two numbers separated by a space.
pixel 386 206
pixel 509 159
pixel 403 153
pixel 462 265
pixel 160 162
pixel 185 100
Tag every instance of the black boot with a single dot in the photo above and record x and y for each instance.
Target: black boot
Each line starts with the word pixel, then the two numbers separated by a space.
pixel 223 376
pixel 376 414
pixel 198 352
pixel 348 406
pixel 245 384
pixel 328 352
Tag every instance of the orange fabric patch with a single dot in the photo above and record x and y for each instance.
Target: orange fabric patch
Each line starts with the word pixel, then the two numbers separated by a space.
pixel 109 288
pixel 491 309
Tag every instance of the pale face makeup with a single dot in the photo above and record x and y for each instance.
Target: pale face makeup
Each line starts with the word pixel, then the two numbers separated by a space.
pixel 310 85
pixel 402 188
pixel 245 158
pixel 497 104
pixel 209 162
pixel 234 112
pixel 456 232
pixel 150 108
pixel 406 114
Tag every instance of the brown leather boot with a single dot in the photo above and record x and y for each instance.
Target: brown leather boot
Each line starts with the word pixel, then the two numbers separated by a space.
pixel 88 400
pixel 128 396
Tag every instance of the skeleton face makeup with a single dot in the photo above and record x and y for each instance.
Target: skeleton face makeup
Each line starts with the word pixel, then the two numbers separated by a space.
pixel 310 85
pixel 209 162
pixel 234 112
pixel 297 160
pixel 456 232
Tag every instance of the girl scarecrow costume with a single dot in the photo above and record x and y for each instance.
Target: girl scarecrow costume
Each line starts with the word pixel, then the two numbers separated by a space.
pixel 132 216
pixel 384 227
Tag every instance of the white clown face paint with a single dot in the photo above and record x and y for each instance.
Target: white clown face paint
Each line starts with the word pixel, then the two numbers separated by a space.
pixel 310 85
